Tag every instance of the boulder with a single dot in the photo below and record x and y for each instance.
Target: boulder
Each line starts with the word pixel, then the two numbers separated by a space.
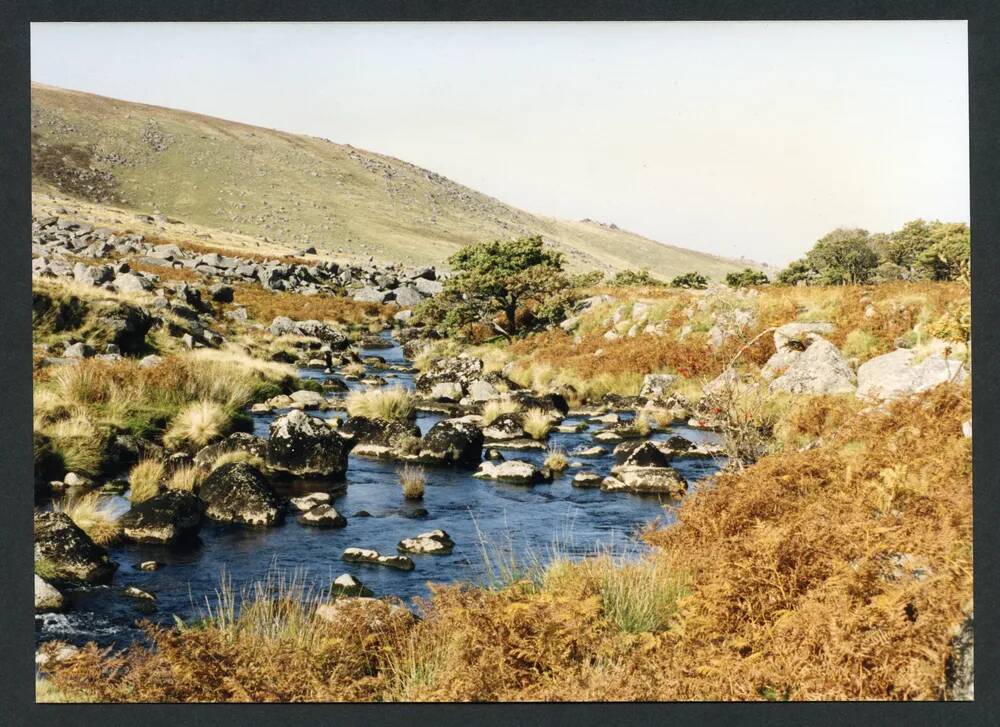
pixel 960 673
pixel 550 403
pixel 505 427
pixel 453 442
pixel 594 451
pixel 132 283
pixel 221 293
pixel 646 470
pixel 322 516
pixel 902 372
pixel 456 369
pixel 428 287
pixel 407 297
pixel 305 446
pixel 645 455
pixel 348 585
pixel 238 493
pixel 381 432
pixel 165 518
pixel 799 335
pixel 235 442
pixel 657 386
pixel 819 369
pixel 446 391
pixel 308 502
pixel 68 553
pixel 128 326
pixel 436 542
pixel 587 479
pixel 373 557
pixel 482 390
pixel 308 399
pixel 369 613
pixel 47 597
pixel 513 470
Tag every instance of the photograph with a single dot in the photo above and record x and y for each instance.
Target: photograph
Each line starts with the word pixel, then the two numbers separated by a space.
pixel 501 362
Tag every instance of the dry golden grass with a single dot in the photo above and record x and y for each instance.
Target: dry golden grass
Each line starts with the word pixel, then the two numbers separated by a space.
pixel 556 459
pixel 197 424
pixel 495 407
pixel 836 573
pixel 265 305
pixel 188 479
pixel 412 479
pixel 93 517
pixel 145 479
pixel 394 403
pixel 536 423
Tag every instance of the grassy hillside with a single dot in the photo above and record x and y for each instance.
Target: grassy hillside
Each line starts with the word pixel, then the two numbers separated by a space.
pixel 290 190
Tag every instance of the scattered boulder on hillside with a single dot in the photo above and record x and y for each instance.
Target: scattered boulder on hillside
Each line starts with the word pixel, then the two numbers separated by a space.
pixel 306 446
pixel 238 493
pixel 903 372
pixel 165 518
pixel 127 326
pixel 818 369
pixel 453 442
pixel 68 553
pixel 436 542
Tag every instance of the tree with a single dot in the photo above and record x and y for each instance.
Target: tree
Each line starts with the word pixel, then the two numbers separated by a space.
pixel 634 279
pixel 796 272
pixel 948 257
pixel 746 277
pixel 906 245
pixel 494 279
pixel 690 280
pixel 843 256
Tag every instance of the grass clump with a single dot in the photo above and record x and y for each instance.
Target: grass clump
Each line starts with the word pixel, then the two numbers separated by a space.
pixel 197 424
pixel 495 407
pixel 78 443
pixel 354 369
pixel 92 516
pixel 861 344
pixel 536 423
pixel 393 404
pixel 145 479
pixel 640 597
pixel 556 459
pixel 412 479
pixel 188 479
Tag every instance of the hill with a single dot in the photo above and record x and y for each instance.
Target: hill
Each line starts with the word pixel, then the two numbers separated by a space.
pixel 291 191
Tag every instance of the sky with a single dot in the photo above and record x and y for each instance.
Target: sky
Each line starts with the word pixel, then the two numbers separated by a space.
pixel 745 139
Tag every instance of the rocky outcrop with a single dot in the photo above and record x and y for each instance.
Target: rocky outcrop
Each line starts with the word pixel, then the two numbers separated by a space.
pixel 551 403
pixel 67 553
pixel 436 542
pixel 236 442
pixel 373 557
pixel 903 372
pixel 504 428
pixel 306 446
pixel 381 432
pixel 238 493
pixel 459 370
pixel 166 518
pixel 646 470
pixel 819 368
pixel 453 442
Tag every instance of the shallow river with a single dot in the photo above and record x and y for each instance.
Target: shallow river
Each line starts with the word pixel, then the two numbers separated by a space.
pixel 508 521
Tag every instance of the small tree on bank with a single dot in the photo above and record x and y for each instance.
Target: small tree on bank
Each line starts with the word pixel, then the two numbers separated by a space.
pixel 746 277
pixel 493 280
pixel 692 280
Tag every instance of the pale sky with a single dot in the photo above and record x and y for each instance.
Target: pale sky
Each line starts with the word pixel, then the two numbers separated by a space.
pixel 742 138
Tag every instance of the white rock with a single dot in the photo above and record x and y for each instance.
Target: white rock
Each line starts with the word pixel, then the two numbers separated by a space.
pixel 47 597
pixel 900 373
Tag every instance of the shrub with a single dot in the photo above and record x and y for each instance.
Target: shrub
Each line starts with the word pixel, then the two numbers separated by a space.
pixel 634 279
pixel 93 517
pixel 745 278
pixel 393 404
pixel 495 407
pixel 197 424
pixel 145 479
pixel 536 423
pixel 693 280
pixel 412 480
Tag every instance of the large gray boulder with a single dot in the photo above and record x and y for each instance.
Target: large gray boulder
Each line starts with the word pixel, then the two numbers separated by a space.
pixel 646 470
pixel 457 369
pixel 166 518
pixel 47 597
pixel 902 372
pixel 381 432
pixel 306 446
pixel 453 442
pixel 514 470
pixel 819 369
pixel 67 553
pixel 238 493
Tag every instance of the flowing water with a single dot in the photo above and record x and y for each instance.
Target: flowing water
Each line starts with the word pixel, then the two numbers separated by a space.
pixel 512 522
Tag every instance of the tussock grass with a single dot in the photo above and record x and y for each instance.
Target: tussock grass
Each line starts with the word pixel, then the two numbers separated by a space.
pixel 536 423
pixel 393 403
pixel 556 459
pixel 197 424
pixel 234 456
pixel 495 407
pixel 93 516
pixel 188 479
pixel 412 479
pixel 639 597
pixel 354 369
pixel 145 479
pixel 78 443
